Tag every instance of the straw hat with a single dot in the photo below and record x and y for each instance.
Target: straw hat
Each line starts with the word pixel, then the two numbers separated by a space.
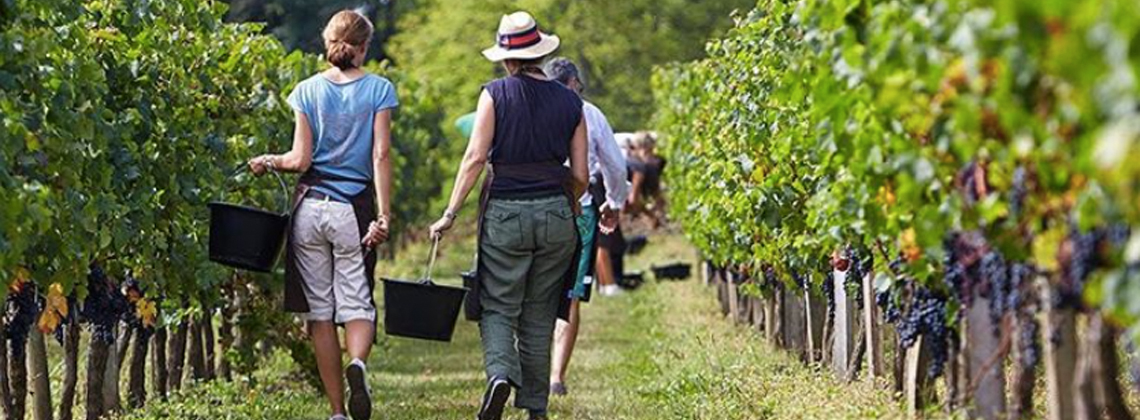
pixel 519 38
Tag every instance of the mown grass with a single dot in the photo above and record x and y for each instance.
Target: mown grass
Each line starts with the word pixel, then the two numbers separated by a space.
pixel 662 352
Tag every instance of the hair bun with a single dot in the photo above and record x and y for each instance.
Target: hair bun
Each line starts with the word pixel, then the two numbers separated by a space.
pixel 346 36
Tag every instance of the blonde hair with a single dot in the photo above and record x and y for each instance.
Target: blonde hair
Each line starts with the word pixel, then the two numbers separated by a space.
pixel 644 139
pixel 346 36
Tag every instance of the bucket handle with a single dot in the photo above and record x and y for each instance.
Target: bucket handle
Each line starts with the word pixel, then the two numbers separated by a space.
pixel 431 261
pixel 242 167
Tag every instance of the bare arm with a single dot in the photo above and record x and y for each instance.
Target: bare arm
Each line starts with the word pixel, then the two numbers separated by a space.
pixel 478 149
pixel 578 159
pixel 381 178
pixel 638 179
pixel 298 159
pixel 474 160
pixel 382 162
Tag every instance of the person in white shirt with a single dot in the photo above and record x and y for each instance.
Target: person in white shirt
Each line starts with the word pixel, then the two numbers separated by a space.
pixel 605 159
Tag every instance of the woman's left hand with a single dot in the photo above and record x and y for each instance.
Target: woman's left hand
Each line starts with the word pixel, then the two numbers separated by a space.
pixel 377 233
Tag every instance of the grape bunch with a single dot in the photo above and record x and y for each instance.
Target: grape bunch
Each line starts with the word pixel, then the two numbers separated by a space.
pixel 927 318
pixel 22 308
pixel 104 305
pixel 801 281
pixel 1022 302
pixel 890 310
pixel 860 266
pixel 1082 261
pixel 131 292
pixel 955 275
pixel 995 286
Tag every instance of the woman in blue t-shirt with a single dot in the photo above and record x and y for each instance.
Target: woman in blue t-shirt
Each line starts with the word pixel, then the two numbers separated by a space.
pixel 340 145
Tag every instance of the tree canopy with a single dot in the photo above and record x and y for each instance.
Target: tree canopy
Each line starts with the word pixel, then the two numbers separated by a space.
pixel 616 44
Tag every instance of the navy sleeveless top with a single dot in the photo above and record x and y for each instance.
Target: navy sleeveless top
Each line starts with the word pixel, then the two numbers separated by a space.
pixel 534 123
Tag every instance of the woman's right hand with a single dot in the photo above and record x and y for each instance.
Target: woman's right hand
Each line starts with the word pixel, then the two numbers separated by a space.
pixel 440 226
pixel 259 165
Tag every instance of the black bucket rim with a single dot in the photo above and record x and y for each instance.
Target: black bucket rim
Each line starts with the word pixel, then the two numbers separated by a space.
pixel 424 284
pixel 223 204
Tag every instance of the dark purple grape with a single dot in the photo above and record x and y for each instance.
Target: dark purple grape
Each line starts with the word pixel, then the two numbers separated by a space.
pixel 995 286
pixel 22 308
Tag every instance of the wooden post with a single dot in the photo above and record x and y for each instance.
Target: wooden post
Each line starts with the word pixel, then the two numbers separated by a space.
pixel 758 314
pixel 705 267
pixel 987 372
pixel 844 320
pixel 770 319
pixel 795 326
pixel 1060 357
pixel 899 371
pixel 38 376
pixel 781 320
pixel 917 389
pixel 817 307
pixel 733 301
pixel 811 339
pixel 1098 373
pixel 1023 381
pixel 722 284
pixel 742 307
pixel 871 323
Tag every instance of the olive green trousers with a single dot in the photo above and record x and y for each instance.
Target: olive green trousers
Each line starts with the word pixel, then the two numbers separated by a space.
pixel 526 248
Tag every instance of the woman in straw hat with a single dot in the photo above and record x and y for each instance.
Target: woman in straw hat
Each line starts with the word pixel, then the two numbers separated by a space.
pixel 526 128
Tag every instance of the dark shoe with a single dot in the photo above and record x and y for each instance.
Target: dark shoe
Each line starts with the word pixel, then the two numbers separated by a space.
pixel 359 397
pixel 494 399
pixel 558 388
pixel 540 415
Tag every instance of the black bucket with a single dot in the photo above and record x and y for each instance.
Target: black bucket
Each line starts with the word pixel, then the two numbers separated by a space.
pixel 246 237
pixel 631 280
pixel 421 309
pixel 675 271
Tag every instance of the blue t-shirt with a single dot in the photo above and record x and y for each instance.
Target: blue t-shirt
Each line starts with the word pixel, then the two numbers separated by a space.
pixel 341 117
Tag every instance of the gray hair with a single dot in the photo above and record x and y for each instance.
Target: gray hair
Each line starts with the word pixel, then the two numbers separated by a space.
pixel 561 70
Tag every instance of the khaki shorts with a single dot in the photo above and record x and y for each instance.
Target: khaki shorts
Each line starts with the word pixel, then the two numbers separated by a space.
pixel 326 239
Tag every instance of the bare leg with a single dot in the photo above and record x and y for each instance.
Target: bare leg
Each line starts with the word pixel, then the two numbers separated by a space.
pixel 358 338
pixel 565 336
pixel 327 348
pixel 603 268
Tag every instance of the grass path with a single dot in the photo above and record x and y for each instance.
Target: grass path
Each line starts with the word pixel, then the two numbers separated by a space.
pixel 662 352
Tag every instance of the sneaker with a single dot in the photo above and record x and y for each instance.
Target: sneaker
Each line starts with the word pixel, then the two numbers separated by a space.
pixel 538 415
pixel 558 388
pixel 338 417
pixel 494 399
pixel 611 290
pixel 359 396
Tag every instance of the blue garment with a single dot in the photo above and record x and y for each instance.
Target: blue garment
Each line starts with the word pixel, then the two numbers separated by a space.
pixel 587 230
pixel 341 116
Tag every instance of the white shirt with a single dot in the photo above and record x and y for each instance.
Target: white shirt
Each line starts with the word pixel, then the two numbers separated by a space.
pixel 604 156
